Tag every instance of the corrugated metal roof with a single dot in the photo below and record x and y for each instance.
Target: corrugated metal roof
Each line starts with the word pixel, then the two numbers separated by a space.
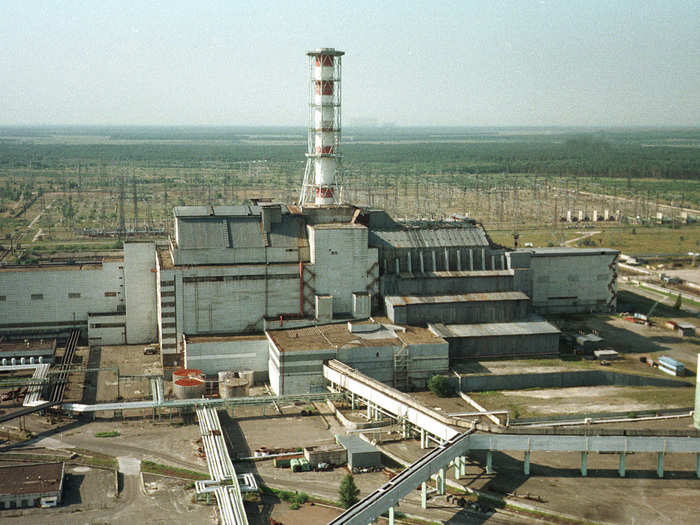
pixel 192 211
pixel 355 445
pixel 290 233
pixel 535 326
pixel 232 211
pixel 403 300
pixel 246 233
pixel 198 233
pixel 424 238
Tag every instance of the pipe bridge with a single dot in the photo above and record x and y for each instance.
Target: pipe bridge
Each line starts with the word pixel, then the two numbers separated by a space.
pixel 454 445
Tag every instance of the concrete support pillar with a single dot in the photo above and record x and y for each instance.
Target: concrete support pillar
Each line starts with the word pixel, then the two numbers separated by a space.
pixel 489 462
pixel 410 265
pixel 459 260
pixel 422 263
pixel 447 260
pixel 397 265
pixel 503 261
pixel 422 438
pixel 584 464
pixel 423 495
pixel 471 261
pixel 435 268
pixel 391 515
pixel 526 463
pixel 456 463
pixel 493 262
pixel 441 481
pixel 660 464
pixel 352 400
pixel 369 410
pixel 483 258
pixel 621 467
pixel 463 466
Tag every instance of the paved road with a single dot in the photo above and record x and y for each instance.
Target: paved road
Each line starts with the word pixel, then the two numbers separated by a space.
pixel 663 299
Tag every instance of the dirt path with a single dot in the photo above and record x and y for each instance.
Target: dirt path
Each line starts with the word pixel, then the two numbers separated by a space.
pixel 584 236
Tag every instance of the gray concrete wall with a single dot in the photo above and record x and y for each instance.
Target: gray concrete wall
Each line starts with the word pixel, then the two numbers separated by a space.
pixel 140 290
pixel 472 382
pixel 426 360
pixel 107 329
pixel 297 372
pixel 504 346
pixel 62 297
pixel 377 362
pixel 445 284
pixel 342 263
pixel 571 284
pixel 459 312
pixel 235 298
pixel 213 356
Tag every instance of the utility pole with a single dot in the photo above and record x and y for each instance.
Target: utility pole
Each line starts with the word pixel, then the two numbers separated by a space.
pixel 135 199
pixel 122 196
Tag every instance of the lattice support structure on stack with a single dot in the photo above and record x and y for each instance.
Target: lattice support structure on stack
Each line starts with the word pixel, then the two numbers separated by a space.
pixel 322 178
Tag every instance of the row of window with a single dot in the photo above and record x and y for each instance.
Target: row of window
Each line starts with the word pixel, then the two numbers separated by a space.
pixel 71 295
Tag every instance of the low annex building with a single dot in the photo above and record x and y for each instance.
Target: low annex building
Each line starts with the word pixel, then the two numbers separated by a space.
pixel 39 485
pixel 402 356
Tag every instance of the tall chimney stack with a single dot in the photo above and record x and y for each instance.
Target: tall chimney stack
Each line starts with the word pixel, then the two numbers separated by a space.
pixel 321 177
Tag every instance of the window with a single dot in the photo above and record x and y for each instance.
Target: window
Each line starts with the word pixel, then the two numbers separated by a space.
pixel 73 295
pixel 3 298
pixel 107 325
pixel 37 296
pixel 110 294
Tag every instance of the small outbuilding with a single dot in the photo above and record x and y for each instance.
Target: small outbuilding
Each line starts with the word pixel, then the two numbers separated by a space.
pixel 37 485
pixel 360 453
pixel 682 328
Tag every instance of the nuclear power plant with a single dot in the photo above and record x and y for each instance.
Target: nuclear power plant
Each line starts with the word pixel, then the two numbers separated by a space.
pixel 318 299
pixel 280 287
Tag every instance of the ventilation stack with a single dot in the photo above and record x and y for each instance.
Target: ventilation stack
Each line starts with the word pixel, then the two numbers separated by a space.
pixel 321 177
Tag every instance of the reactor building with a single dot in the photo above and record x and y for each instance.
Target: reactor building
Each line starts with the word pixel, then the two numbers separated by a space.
pixel 280 288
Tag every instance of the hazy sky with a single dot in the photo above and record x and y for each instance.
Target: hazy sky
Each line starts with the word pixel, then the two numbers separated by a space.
pixel 465 63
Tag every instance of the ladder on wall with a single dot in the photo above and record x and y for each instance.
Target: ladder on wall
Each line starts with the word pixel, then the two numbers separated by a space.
pixel 401 368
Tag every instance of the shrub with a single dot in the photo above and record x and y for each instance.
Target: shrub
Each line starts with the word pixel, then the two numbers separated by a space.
pixel 440 386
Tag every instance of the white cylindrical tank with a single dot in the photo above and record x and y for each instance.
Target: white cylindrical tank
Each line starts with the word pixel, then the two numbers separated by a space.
pixel 41 359
pixel 4 361
pixel 13 361
pixel 31 360
pixel 231 384
pixel 189 388
pixel 248 375
pixel 22 360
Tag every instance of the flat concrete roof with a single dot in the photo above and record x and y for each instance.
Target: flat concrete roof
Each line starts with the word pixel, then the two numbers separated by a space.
pixel 31 479
pixel 535 326
pixel 457 274
pixel 567 252
pixel 337 226
pixel 405 300
pixel 222 338
pixel 32 345
pixel 336 336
